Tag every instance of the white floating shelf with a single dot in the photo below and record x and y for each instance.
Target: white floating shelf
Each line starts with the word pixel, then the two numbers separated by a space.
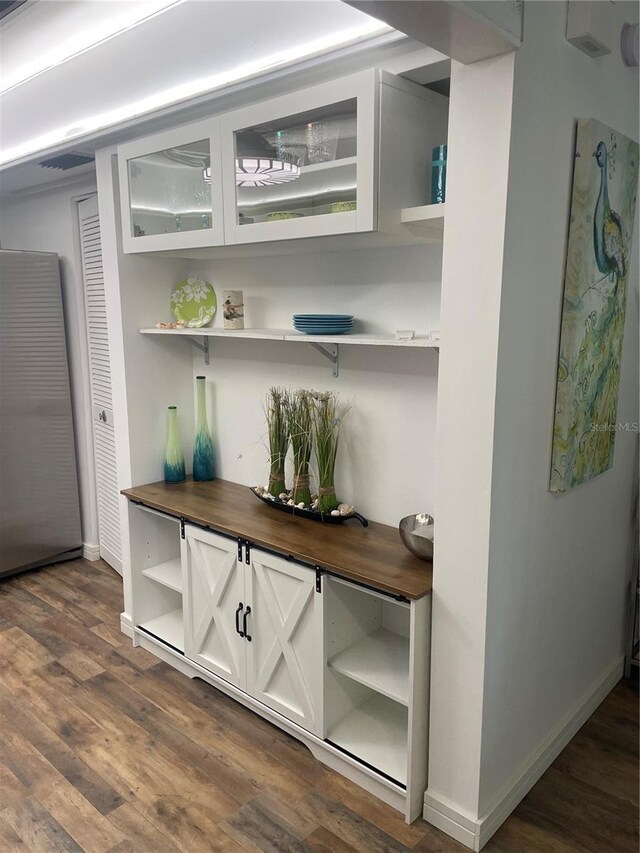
pixel 376 733
pixel 169 628
pixel 168 574
pixel 425 221
pixel 372 339
pixel 379 661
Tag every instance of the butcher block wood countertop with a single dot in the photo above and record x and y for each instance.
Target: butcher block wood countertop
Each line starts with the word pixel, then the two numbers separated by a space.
pixel 372 555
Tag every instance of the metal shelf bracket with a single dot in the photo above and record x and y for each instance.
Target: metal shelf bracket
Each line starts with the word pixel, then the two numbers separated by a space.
pixel 332 352
pixel 204 346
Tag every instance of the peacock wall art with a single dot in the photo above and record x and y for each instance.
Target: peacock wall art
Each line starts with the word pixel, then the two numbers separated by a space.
pixel 603 202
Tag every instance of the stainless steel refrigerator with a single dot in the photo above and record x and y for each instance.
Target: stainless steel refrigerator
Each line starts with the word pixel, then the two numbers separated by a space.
pixel 39 505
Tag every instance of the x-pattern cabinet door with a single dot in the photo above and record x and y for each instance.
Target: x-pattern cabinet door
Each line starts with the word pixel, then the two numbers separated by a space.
pixel 215 591
pixel 285 655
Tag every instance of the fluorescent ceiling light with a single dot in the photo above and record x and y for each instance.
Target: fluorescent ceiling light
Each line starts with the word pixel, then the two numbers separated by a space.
pixel 90 124
pixel 130 15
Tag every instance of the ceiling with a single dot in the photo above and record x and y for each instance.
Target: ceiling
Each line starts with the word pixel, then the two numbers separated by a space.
pixel 177 50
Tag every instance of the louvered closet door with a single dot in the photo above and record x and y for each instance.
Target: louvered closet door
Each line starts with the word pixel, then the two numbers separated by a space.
pixel 100 372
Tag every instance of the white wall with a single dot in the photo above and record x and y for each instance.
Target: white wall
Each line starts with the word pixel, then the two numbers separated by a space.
pixel 386 464
pixel 559 564
pixel 529 586
pixel 47 222
pixel 479 129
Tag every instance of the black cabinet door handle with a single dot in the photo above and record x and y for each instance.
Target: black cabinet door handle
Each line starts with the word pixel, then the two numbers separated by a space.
pixel 238 610
pixel 245 629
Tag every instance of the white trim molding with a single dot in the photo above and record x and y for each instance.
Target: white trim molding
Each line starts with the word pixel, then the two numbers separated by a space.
pixel 90 552
pixel 126 625
pixel 475 833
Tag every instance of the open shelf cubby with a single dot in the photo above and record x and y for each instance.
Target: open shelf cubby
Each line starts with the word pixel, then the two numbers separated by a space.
pixel 376 733
pixel 167 627
pixel 157 575
pixel 367 680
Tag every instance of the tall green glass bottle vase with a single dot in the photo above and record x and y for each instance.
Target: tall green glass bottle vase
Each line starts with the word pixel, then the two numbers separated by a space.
pixel 203 458
pixel 173 459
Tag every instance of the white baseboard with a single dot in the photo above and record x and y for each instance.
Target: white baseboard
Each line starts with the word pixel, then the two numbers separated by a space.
pixel 126 625
pixel 112 560
pixel 443 817
pixel 90 552
pixel 475 834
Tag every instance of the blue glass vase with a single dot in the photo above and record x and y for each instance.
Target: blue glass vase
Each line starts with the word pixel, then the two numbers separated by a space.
pixel 203 458
pixel 438 174
pixel 173 458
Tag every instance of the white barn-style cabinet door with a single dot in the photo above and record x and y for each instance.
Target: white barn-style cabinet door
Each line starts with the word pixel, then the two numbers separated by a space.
pixel 104 445
pixel 213 583
pixel 285 654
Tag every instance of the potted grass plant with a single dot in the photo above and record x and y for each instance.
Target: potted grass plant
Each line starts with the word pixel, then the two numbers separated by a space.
pixel 327 420
pixel 300 420
pixel 277 409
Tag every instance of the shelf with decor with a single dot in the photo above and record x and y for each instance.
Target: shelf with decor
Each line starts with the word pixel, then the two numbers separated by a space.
pixel 427 220
pixel 328 345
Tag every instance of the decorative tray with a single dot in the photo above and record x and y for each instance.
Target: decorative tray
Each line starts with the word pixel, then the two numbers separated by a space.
pixel 276 503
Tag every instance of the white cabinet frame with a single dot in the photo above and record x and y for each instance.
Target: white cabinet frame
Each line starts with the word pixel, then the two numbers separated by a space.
pixel 213 236
pixel 362 86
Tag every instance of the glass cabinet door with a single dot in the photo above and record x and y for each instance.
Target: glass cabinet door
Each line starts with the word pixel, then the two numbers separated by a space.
pixel 171 190
pixel 300 165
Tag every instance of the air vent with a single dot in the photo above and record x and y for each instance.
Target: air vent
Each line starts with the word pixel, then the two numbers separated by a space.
pixel 67 161
pixel 8 7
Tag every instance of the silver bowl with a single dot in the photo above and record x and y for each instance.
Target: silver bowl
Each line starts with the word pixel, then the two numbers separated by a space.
pixel 416 532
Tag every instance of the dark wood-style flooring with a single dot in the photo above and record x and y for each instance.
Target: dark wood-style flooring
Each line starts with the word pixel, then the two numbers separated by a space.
pixel 103 748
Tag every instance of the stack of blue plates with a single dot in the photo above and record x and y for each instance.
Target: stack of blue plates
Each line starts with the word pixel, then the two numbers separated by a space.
pixel 323 324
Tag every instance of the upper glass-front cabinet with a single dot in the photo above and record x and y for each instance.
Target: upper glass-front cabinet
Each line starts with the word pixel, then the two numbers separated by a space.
pixel 301 165
pixel 171 189
pixel 338 158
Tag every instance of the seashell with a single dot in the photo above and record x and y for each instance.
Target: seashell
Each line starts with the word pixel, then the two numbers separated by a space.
pixel 259 490
pixel 335 512
pixel 345 509
pixel 301 505
pixel 290 503
pixel 269 496
pixel 283 496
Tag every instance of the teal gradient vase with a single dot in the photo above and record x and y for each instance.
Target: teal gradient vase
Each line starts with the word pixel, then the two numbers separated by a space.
pixel 173 459
pixel 203 459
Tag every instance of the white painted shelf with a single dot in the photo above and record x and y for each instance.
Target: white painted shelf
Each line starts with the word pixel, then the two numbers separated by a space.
pixel 379 661
pixel 168 574
pixel 328 164
pixel 376 733
pixel 366 339
pixel 168 627
pixel 424 221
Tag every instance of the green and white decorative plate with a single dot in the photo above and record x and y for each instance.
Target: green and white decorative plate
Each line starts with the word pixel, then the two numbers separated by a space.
pixel 193 301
